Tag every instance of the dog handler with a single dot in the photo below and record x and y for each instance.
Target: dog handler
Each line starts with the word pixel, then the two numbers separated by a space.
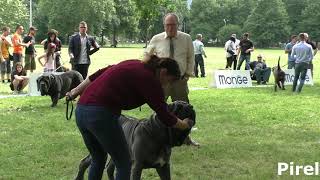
pixel 105 93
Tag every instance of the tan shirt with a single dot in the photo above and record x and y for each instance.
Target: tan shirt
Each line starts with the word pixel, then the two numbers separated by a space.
pixel 183 50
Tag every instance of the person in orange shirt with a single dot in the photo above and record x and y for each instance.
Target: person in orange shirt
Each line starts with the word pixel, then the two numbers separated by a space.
pixel 18 45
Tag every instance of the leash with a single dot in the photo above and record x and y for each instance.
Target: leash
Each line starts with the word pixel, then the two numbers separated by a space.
pixel 69 101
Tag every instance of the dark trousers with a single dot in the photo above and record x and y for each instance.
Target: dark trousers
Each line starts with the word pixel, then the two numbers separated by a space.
pixel 262 74
pixel 102 134
pixel 244 57
pixel 58 63
pixel 16 58
pixel 300 70
pixel 82 69
pixel 230 60
pixel 199 62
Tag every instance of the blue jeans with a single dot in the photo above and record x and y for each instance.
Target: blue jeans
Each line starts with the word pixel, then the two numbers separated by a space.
pixel 242 58
pixel 102 134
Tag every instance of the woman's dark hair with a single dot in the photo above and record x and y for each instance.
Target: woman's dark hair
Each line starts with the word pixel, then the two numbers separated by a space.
pixel 154 63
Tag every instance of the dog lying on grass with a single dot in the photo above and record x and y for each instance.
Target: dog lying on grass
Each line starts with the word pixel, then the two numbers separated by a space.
pixel 56 86
pixel 158 137
pixel 279 77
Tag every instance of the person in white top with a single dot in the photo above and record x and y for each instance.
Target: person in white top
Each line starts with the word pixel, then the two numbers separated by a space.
pixel 231 53
pixel 198 52
pixel 49 57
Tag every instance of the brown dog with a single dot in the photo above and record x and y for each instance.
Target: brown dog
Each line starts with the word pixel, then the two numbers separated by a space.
pixel 279 76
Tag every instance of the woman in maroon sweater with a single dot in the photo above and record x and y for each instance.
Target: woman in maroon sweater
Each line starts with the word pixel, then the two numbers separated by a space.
pixel 124 86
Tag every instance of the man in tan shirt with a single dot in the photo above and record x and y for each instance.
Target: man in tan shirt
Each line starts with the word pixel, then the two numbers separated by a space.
pixel 178 46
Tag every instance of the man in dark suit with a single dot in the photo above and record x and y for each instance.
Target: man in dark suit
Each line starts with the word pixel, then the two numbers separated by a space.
pixel 81 46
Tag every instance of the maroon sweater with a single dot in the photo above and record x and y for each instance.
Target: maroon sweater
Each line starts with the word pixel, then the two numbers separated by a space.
pixel 126 86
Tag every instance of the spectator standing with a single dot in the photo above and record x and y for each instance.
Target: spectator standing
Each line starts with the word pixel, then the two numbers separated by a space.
pixel 49 57
pixel 178 46
pixel 246 47
pixel 53 38
pixel 231 53
pixel 315 50
pixel 5 43
pixel 198 53
pixel 303 54
pixel 288 49
pixel 30 51
pixel 18 45
pixel 81 46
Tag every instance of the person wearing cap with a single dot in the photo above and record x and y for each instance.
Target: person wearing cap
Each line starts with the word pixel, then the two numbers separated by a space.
pixel 81 46
pixel 49 57
pixel 246 47
pixel 30 51
pixel 198 53
pixel 18 45
pixel 260 71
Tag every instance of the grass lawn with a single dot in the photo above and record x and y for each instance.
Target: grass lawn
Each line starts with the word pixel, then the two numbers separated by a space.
pixel 243 133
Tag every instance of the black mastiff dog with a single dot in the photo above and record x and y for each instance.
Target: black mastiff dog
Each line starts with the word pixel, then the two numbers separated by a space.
pixel 56 86
pixel 279 76
pixel 150 142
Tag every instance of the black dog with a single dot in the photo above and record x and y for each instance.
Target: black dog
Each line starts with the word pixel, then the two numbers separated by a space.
pixel 160 140
pixel 56 86
pixel 279 76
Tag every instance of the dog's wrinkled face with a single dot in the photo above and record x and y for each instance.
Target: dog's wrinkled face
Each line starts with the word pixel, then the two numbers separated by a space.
pixel 182 110
pixel 44 83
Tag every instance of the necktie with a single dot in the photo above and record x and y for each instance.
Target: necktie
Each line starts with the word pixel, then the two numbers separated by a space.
pixel 171 48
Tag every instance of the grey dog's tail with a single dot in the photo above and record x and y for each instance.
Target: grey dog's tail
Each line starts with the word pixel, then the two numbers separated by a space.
pixel 279 63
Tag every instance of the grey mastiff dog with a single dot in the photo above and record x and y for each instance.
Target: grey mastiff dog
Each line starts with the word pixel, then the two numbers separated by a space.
pixel 150 142
pixel 56 86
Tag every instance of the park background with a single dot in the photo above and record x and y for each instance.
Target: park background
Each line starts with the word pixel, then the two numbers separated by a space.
pixel 243 132
pixel 269 22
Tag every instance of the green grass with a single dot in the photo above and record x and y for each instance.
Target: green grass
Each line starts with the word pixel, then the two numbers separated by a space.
pixel 243 133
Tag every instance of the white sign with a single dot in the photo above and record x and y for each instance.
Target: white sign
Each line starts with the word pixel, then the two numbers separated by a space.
pixel 231 78
pixel 33 89
pixel 290 77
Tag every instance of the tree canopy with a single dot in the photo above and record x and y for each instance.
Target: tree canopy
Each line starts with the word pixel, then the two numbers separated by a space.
pixel 268 21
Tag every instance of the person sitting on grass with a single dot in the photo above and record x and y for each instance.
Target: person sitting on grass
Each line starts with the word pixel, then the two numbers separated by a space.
pixel 260 71
pixel 19 79
pixel 49 57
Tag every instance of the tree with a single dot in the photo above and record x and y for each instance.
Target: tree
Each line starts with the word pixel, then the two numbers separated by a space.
pixel 268 23
pixel 226 31
pixel 294 9
pixel 310 20
pixel 13 12
pixel 123 19
pixel 206 19
pixel 65 15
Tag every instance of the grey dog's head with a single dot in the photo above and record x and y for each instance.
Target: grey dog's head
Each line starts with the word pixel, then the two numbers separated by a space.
pixel 182 110
pixel 44 83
